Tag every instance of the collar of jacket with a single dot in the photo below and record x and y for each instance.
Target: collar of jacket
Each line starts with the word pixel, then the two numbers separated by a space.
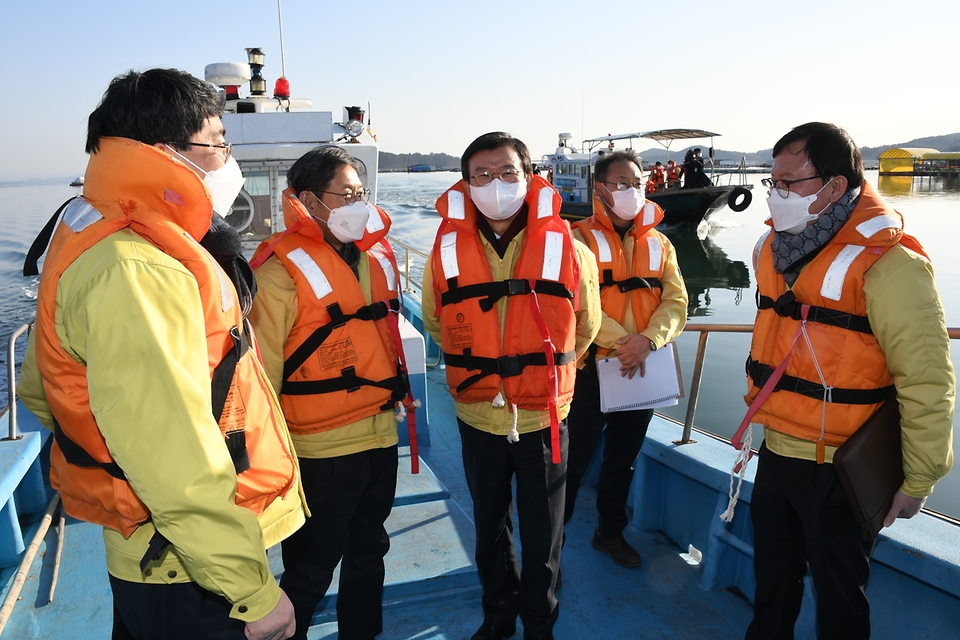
pixel 136 174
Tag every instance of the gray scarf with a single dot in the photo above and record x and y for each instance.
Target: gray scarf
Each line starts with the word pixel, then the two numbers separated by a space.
pixel 791 252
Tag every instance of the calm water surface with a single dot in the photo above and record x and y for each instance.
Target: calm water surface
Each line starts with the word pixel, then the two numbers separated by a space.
pixel 714 260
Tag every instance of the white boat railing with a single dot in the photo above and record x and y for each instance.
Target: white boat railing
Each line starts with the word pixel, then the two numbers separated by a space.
pixel 410 285
pixel 12 381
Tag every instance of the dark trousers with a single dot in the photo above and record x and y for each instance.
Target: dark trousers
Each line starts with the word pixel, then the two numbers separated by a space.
pixel 182 611
pixel 801 517
pixel 624 434
pixel 349 497
pixel 489 464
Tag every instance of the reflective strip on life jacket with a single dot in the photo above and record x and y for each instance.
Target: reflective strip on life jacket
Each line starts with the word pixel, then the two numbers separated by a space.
pixel 312 272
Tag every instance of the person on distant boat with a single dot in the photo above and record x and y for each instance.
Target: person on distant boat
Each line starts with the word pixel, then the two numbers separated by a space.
pixel 327 317
pixel 644 305
pixel 659 176
pixel 693 170
pixel 143 364
pixel 513 300
pixel 673 174
pixel 838 270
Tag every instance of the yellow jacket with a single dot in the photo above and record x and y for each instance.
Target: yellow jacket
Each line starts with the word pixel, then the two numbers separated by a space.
pixel 907 319
pixel 133 316
pixel 274 312
pixel 498 420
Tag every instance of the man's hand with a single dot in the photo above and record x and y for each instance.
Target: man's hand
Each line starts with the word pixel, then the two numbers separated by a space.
pixel 633 350
pixel 903 507
pixel 276 625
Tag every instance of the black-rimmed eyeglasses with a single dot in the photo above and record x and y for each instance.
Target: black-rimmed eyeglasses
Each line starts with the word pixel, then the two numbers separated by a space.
pixel 623 186
pixel 783 186
pixel 349 197
pixel 226 146
pixel 483 178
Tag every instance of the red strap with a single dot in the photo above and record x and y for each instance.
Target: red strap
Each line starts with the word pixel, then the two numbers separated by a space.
pixel 261 257
pixel 551 373
pixel 768 387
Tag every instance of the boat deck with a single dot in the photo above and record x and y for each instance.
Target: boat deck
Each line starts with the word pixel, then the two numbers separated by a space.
pixel 432 590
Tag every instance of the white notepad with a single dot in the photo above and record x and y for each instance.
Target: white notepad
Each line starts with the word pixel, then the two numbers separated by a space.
pixel 661 386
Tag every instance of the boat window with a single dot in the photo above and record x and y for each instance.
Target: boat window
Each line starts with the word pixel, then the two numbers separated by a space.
pixel 251 211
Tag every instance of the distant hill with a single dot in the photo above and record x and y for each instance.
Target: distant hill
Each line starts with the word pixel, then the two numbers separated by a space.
pixel 949 142
pixel 392 162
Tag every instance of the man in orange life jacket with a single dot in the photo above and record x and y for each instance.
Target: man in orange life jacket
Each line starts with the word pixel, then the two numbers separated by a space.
pixel 513 300
pixel 326 316
pixel 874 328
pixel 644 305
pixel 166 429
pixel 673 174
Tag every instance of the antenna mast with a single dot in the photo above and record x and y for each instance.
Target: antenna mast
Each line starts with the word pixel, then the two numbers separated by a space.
pixel 283 62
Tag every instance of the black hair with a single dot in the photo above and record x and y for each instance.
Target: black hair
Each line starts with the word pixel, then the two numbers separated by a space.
pixel 495 140
pixel 830 149
pixel 603 164
pixel 317 168
pixel 158 105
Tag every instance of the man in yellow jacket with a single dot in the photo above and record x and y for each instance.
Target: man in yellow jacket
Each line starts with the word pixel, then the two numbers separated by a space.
pixel 644 305
pixel 848 304
pixel 167 431
pixel 514 301
pixel 328 295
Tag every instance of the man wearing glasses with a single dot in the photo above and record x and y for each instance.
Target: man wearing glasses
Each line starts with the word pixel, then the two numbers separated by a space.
pixel 513 300
pixel 326 314
pixel 142 362
pixel 848 305
pixel 644 305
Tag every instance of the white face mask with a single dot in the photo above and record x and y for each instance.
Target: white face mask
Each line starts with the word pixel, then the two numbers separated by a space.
pixel 347 223
pixel 792 214
pixel 627 204
pixel 224 184
pixel 499 200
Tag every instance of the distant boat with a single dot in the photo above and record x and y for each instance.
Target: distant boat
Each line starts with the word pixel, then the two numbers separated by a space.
pixel 77 182
pixel 571 172
pixel 418 168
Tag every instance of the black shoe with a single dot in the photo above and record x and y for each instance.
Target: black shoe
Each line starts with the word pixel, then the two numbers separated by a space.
pixel 618 549
pixel 559 580
pixel 490 632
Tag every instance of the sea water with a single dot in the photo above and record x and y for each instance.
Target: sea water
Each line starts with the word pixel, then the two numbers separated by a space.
pixel 715 261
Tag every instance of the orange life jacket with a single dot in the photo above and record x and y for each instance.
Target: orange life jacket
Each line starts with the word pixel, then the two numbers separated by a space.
pixel 542 297
pixel 673 174
pixel 170 216
pixel 658 174
pixel 340 360
pixel 846 350
pixel 639 287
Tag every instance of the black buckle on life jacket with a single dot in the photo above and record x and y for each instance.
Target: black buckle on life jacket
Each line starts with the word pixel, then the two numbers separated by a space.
pixel 630 284
pixel 511 287
pixel 787 306
pixel 509 366
pixel 350 380
pixel 337 318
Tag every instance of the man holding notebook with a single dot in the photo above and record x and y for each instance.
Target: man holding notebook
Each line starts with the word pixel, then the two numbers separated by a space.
pixel 644 304
pixel 849 316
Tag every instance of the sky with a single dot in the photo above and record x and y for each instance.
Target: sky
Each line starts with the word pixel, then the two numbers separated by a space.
pixel 439 73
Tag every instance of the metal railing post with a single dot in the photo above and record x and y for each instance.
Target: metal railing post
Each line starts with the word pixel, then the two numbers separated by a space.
pixel 694 389
pixel 12 381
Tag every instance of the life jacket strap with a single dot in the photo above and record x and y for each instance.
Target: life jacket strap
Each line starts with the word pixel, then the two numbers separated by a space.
pixel 41 242
pixel 491 292
pixel 787 306
pixel 760 373
pixel 348 381
pixel 503 366
pixel 371 312
pixel 630 284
